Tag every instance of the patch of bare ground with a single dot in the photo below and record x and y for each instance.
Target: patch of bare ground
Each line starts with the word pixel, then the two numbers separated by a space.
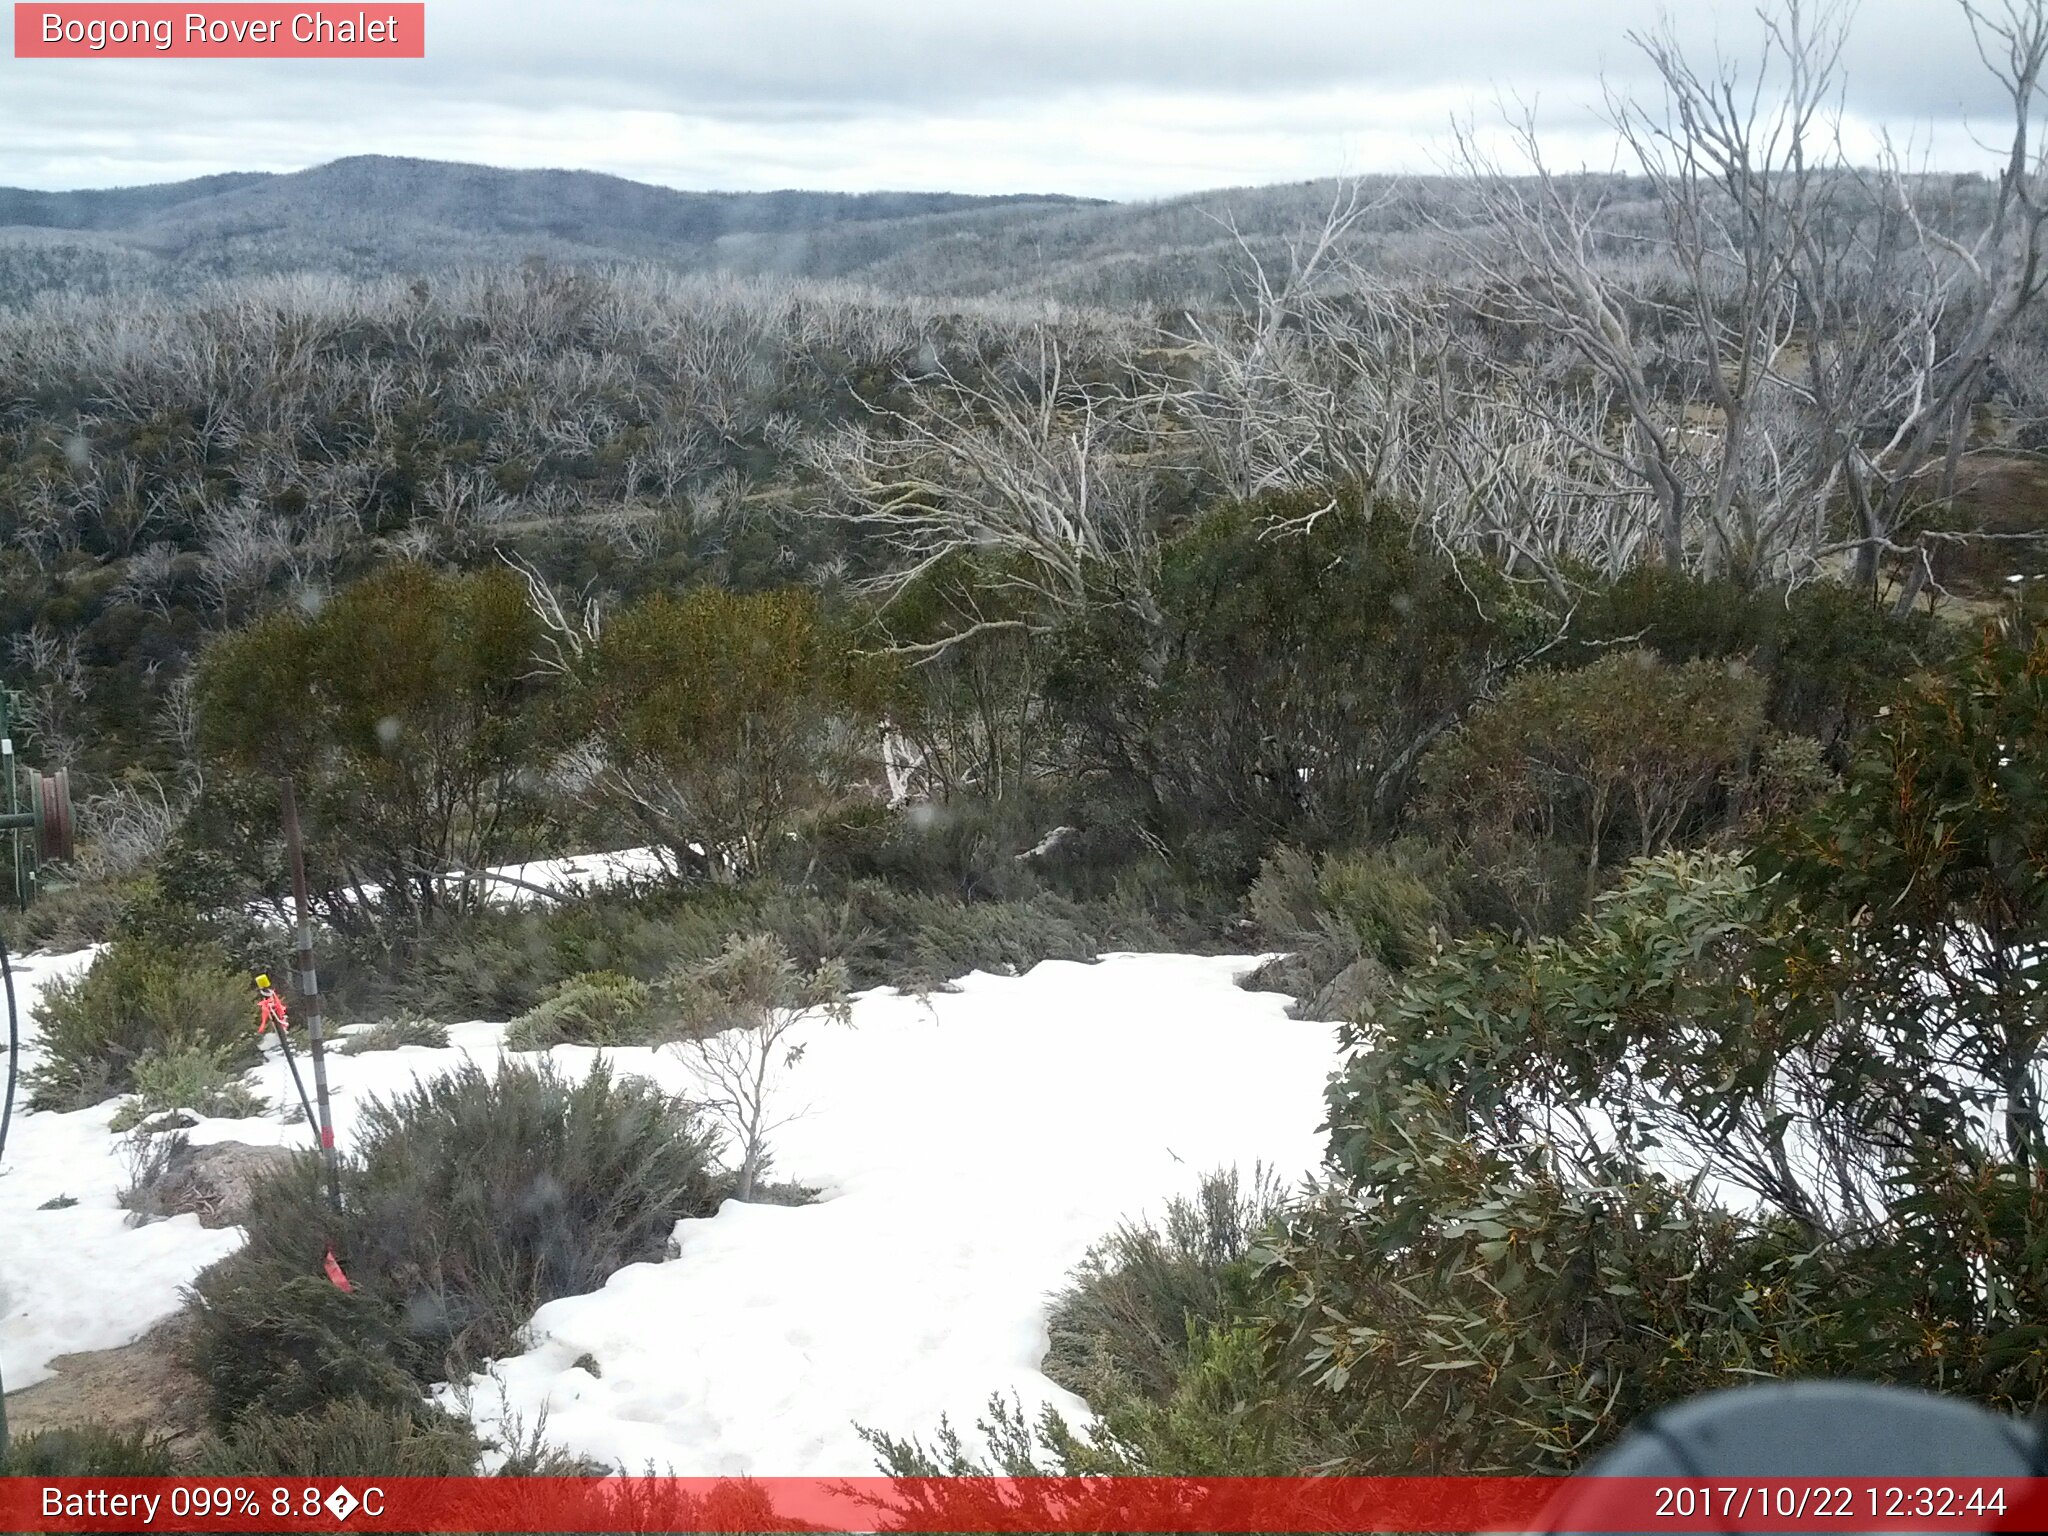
pixel 145 1385
pixel 2002 501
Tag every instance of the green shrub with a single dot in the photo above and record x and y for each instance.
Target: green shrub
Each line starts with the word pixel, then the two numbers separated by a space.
pixel 87 1450
pixel 1347 921
pixel 1378 902
pixel 1518 1264
pixel 1290 681
pixel 1225 1416
pixel 1381 898
pixel 964 847
pixel 970 704
pixel 355 1439
pixel 725 716
pixel 502 964
pixel 392 1034
pixel 278 1341
pixel 349 1438
pixel 1286 900
pixel 1791 776
pixel 1625 756
pixel 194 1077
pixel 595 1008
pixel 68 917
pixel 471 1200
pixel 1143 1296
pixel 1479 1318
pixel 194 897
pixel 138 998
pixel 1015 1450
pixel 1829 655
pixel 405 695
pixel 817 929
pixel 1163 1332
pixel 488 965
pixel 929 940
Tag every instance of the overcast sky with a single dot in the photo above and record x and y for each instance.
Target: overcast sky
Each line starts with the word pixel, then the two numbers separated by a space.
pixel 1108 98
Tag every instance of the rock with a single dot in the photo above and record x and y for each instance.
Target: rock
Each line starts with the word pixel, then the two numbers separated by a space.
pixel 1321 982
pixel 1349 991
pixel 213 1182
pixel 1291 973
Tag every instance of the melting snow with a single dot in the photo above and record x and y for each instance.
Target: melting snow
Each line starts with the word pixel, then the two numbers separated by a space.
pixel 79 1277
pixel 967 1147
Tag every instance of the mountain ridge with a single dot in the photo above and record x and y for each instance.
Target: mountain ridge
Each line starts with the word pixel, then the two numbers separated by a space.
pixel 484 196
pixel 371 217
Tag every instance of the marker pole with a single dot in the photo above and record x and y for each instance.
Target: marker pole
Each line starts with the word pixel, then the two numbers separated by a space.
pixel 308 983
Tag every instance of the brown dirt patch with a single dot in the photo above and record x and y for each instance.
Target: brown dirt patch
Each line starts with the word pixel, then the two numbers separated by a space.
pixel 2003 494
pixel 140 1386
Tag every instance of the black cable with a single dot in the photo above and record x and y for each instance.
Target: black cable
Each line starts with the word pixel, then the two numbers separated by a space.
pixel 13 1046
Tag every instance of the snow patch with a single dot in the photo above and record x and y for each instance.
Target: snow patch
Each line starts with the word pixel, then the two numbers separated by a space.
pixel 79 1277
pixel 968 1147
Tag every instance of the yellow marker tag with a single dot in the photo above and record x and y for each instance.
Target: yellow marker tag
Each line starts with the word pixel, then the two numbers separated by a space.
pixel 262 981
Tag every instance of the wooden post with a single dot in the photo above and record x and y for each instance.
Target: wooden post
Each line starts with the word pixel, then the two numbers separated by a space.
pixel 308 983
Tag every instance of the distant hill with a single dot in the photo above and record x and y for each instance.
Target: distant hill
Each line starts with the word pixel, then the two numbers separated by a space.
pixel 375 215
pixel 581 207
pixel 113 207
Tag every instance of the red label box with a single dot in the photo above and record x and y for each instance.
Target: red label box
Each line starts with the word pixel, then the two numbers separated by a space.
pixel 243 31
pixel 999 1506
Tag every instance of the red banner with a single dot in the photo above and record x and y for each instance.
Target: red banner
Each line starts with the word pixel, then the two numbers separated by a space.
pixel 1110 1504
pixel 99 31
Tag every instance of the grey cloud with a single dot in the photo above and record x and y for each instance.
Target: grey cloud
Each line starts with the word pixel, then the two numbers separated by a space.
pixel 919 54
pixel 759 81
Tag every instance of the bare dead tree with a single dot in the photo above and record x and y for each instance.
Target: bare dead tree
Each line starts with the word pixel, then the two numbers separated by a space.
pixel 55 687
pixel 1502 471
pixel 1026 464
pixel 743 1007
pixel 1302 386
pixel 44 521
pixel 1821 341
pixel 1978 287
pixel 147 576
pixel 126 826
pixel 178 721
pixel 1331 374
pixel 244 549
pixel 566 636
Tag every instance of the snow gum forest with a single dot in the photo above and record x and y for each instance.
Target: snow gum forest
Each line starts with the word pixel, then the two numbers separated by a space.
pixel 1366 827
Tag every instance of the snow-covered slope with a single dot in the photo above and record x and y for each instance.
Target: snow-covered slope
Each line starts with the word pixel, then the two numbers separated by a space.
pixel 968 1147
